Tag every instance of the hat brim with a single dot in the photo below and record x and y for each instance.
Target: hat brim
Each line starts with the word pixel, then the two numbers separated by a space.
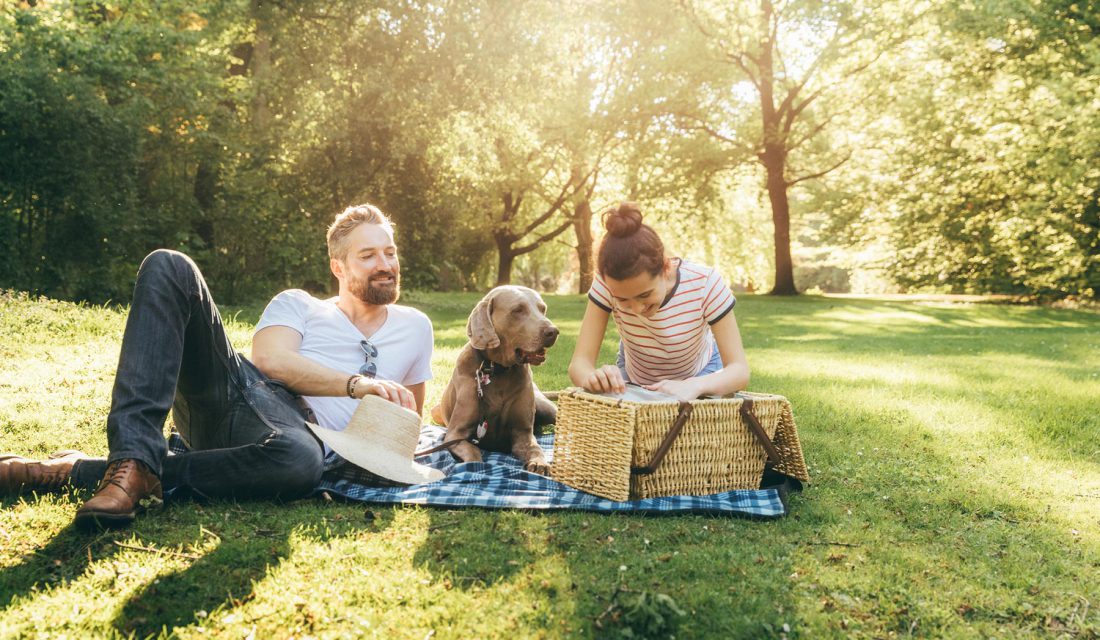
pixel 377 460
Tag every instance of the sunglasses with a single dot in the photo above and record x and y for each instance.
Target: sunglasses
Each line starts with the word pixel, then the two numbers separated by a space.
pixel 370 367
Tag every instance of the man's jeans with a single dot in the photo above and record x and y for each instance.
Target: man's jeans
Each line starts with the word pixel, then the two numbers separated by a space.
pixel 247 436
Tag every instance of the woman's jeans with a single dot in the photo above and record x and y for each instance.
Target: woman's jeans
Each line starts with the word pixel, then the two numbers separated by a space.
pixel 247 436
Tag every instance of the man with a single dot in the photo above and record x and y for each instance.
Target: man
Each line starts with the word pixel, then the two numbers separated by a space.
pixel 242 419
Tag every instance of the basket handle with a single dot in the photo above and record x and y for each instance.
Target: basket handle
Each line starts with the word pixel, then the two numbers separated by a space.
pixel 758 431
pixel 666 444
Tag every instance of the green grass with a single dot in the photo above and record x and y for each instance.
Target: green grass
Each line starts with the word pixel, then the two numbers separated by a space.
pixel 956 493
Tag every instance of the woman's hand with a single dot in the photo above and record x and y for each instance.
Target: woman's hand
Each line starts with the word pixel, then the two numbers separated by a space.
pixel 606 379
pixel 686 390
pixel 387 389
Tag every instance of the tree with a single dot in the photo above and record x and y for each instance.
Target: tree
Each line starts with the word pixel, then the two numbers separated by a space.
pixel 795 59
pixel 98 105
pixel 989 180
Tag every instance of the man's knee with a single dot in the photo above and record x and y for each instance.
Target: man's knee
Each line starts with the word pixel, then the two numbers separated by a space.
pixel 166 261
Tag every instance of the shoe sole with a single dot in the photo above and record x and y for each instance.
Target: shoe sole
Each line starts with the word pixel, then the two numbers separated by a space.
pixel 109 520
pixel 99 520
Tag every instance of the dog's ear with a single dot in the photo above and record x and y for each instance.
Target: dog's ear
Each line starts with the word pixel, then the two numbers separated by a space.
pixel 480 329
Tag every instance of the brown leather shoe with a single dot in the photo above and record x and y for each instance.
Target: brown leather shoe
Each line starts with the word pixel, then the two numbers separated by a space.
pixel 20 475
pixel 128 488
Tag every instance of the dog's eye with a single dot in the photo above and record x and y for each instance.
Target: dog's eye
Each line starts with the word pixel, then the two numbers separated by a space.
pixel 542 308
pixel 519 311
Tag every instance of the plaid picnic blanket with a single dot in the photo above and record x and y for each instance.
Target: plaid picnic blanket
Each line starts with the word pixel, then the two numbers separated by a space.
pixel 499 482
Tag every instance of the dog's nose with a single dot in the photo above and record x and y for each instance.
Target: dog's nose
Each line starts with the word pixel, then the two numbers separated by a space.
pixel 550 335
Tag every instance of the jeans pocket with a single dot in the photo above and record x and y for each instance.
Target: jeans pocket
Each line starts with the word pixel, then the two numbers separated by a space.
pixel 275 405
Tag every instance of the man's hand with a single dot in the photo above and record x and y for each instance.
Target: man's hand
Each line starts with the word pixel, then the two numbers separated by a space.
pixel 686 390
pixel 387 389
pixel 606 379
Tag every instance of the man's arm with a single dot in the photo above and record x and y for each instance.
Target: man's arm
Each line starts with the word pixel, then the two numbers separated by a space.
pixel 275 353
pixel 419 390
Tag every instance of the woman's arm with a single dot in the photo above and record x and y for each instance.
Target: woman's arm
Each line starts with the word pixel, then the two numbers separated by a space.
pixel 582 368
pixel 734 375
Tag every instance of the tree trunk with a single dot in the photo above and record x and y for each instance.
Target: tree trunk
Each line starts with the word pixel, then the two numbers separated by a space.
pixel 205 190
pixel 582 227
pixel 774 158
pixel 781 220
pixel 505 258
pixel 261 65
pixel 582 223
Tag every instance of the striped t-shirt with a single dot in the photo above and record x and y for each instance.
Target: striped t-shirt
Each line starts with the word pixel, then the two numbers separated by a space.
pixel 675 343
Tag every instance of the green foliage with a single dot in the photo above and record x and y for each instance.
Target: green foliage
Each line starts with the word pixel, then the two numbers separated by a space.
pixel 67 150
pixel 985 174
pixel 234 131
pixel 644 615
pixel 100 113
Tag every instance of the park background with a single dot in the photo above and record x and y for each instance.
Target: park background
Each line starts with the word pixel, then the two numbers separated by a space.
pixel 863 147
pixel 918 148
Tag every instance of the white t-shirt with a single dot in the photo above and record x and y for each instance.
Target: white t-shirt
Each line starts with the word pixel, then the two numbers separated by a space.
pixel 404 343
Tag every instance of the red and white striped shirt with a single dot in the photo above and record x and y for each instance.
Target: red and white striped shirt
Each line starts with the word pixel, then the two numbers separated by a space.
pixel 675 343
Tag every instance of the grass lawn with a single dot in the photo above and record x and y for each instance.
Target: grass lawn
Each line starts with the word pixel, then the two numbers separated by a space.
pixel 954 452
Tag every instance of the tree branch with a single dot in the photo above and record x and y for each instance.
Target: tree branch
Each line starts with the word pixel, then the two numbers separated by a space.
pixel 813 132
pixel 703 125
pixel 846 76
pixel 554 207
pixel 738 59
pixel 819 173
pixel 518 251
pixel 592 189
pixel 732 54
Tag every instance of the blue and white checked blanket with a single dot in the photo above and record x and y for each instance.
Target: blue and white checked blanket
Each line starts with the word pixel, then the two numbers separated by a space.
pixel 501 483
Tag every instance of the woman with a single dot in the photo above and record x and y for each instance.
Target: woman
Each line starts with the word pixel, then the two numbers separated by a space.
pixel 678 334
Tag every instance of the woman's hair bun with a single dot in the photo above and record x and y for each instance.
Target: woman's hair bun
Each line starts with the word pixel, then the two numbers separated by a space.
pixel 623 220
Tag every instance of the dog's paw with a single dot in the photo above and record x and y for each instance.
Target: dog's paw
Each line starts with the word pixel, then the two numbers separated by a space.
pixel 437 415
pixel 538 466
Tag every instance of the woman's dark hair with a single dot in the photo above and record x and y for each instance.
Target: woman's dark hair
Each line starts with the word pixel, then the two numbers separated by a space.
pixel 629 247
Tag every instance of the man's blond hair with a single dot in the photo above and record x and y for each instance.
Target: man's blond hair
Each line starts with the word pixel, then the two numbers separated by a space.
pixel 346 222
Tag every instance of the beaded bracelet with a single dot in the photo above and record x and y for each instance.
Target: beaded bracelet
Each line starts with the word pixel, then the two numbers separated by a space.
pixel 352 382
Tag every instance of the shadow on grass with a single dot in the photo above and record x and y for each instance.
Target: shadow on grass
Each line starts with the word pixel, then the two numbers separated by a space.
pixel 248 546
pixel 62 560
pixel 221 578
pixel 898 534
pixel 566 571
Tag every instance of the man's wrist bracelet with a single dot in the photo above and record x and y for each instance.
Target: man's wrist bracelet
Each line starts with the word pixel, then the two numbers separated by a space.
pixel 352 382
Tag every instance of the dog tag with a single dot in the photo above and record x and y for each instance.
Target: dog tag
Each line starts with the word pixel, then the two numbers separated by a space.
pixel 482 429
pixel 482 379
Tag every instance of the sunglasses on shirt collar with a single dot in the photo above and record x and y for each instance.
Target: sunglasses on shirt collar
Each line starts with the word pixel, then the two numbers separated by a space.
pixel 370 367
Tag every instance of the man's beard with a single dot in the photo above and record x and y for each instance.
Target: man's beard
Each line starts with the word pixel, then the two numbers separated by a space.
pixel 378 294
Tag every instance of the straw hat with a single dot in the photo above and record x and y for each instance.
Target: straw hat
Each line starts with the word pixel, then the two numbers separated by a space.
pixel 381 438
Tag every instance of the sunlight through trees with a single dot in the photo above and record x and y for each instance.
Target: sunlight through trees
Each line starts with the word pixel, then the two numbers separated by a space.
pixel 796 144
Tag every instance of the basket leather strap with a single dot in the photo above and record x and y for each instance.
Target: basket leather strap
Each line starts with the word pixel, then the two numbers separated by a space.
pixel 666 444
pixel 758 431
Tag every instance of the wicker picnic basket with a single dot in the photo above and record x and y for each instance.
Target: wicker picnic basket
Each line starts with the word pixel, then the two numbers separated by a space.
pixel 622 449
